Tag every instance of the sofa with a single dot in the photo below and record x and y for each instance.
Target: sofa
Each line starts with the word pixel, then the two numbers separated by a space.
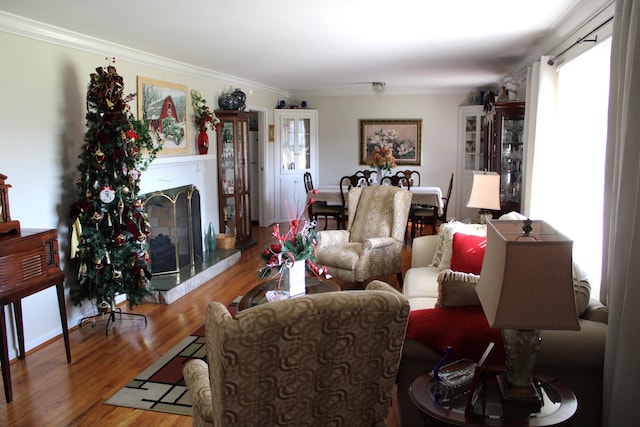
pixel 433 288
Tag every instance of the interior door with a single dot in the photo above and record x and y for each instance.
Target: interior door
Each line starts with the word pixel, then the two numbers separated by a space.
pixel 296 136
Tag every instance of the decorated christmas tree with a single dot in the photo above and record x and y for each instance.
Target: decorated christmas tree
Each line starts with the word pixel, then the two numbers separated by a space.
pixel 110 228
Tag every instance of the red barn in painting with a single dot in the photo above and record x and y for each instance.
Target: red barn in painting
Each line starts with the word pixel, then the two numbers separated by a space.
pixel 163 117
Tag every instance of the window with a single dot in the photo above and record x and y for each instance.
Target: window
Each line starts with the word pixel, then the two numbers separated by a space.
pixel 574 192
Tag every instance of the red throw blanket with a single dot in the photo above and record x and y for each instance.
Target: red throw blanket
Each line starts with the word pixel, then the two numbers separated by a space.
pixel 465 329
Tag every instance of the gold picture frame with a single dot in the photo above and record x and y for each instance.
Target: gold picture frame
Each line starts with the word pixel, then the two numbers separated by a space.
pixel 163 107
pixel 272 133
pixel 402 136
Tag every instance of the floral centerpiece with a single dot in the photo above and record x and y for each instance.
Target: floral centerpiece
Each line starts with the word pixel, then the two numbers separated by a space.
pixel 382 159
pixel 297 244
pixel 203 116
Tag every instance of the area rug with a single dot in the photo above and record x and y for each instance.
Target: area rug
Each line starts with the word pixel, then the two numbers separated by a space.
pixel 161 386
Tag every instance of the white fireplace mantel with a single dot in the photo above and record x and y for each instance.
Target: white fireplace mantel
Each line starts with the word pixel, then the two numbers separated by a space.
pixel 167 172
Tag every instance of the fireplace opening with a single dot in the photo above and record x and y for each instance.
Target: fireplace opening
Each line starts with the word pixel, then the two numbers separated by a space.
pixel 174 216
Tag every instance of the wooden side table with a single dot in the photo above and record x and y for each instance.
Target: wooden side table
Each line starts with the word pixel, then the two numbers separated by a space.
pixel 29 263
pixel 559 408
pixel 258 294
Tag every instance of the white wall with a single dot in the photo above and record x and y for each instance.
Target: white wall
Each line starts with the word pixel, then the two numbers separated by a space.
pixel 339 130
pixel 44 81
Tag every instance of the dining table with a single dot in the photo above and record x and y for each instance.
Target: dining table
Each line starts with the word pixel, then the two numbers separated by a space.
pixel 420 196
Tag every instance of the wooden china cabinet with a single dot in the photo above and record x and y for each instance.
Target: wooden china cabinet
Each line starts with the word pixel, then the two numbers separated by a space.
pixel 505 152
pixel 233 175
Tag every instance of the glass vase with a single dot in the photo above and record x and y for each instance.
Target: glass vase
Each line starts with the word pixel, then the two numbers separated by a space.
pixel 203 141
pixel 211 238
pixel 381 173
pixel 295 278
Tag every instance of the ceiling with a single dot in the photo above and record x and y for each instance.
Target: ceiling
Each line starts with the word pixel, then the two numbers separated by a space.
pixel 331 46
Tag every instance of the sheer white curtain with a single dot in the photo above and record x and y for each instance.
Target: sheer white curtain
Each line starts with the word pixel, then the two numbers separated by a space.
pixel 540 156
pixel 566 140
pixel 621 260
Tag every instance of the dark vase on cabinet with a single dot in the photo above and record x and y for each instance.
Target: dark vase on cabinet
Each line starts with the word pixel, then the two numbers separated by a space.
pixel 233 176
pixel 506 151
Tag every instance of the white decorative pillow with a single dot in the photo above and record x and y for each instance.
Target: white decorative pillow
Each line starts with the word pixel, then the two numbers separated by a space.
pixel 437 255
pixel 581 289
pixel 513 215
pixel 447 233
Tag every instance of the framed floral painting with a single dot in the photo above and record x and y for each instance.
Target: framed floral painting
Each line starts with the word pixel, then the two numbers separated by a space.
pixel 403 137
pixel 163 107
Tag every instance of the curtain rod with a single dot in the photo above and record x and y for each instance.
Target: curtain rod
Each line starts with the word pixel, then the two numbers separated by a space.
pixel 580 40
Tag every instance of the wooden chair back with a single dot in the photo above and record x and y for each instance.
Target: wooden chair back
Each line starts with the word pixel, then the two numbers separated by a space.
pixel 411 175
pixel 397 181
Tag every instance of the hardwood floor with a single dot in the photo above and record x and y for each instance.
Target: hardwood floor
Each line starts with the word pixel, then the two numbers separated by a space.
pixel 48 392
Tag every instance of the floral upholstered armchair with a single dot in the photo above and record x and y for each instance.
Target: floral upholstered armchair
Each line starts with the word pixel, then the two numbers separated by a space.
pixel 322 359
pixel 371 246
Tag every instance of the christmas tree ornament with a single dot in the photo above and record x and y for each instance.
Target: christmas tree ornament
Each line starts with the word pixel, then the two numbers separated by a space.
pixel 96 217
pixel 116 275
pixel 97 264
pixel 107 195
pixel 125 190
pixel 82 271
pixel 120 209
pixel 99 156
pixel 104 307
pixel 120 239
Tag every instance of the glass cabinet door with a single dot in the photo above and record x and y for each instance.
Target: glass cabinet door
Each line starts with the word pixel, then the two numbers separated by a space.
pixel 474 149
pixel 295 144
pixel 507 152
pixel 511 149
pixel 242 186
pixel 233 176
pixel 472 155
pixel 227 159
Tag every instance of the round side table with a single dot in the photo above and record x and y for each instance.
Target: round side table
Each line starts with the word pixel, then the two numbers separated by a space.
pixel 559 405
pixel 258 294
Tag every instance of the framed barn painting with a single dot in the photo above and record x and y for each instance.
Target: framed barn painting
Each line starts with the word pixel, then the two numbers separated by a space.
pixel 403 137
pixel 163 107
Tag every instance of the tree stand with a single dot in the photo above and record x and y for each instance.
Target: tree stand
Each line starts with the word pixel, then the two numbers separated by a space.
pixel 110 310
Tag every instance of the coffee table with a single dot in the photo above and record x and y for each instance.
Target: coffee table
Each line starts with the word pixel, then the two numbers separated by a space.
pixel 559 409
pixel 257 295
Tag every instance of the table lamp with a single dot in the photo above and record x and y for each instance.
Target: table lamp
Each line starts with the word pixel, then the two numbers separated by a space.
pixel 485 194
pixel 526 285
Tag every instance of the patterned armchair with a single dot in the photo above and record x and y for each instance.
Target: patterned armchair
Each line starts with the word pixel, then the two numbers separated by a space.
pixel 322 359
pixel 371 246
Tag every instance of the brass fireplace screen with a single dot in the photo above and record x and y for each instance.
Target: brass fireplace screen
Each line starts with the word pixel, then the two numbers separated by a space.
pixel 176 228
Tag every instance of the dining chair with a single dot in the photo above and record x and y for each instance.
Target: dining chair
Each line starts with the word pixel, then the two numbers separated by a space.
pixel 422 215
pixel 319 209
pixel 346 183
pixel 412 175
pixel 322 359
pixel 367 174
pixel 396 180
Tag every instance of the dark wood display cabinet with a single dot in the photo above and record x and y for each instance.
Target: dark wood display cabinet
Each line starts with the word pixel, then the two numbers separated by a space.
pixel 505 152
pixel 233 176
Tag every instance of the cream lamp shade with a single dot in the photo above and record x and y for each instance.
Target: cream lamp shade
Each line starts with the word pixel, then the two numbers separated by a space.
pixel 485 191
pixel 526 278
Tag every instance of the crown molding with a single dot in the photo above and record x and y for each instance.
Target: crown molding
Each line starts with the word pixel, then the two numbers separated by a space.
pixel 24 27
